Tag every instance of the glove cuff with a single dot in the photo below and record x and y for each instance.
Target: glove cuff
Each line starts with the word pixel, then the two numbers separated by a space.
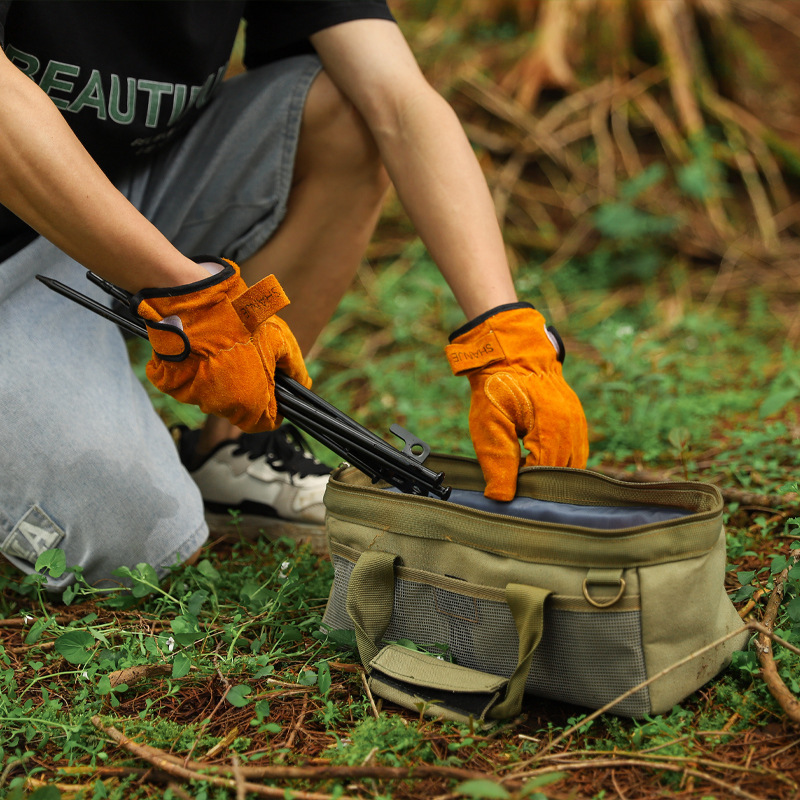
pixel 481 343
pixel 473 323
pixel 174 315
pixel 229 270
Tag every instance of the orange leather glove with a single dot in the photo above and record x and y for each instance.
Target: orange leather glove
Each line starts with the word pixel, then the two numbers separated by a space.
pixel 217 344
pixel 513 362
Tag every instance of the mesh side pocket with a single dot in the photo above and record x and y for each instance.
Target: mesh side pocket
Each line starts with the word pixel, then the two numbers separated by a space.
pixel 336 616
pixel 585 658
pixel 590 658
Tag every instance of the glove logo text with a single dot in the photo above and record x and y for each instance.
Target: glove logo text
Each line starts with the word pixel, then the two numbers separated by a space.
pixel 471 355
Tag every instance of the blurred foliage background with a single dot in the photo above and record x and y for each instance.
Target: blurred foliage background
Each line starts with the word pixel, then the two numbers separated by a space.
pixel 644 159
pixel 627 119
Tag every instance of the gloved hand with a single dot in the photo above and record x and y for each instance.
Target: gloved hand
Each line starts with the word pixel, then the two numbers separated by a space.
pixel 513 362
pixel 217 344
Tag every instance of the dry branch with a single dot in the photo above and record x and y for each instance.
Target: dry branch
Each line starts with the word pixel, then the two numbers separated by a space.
pixel 166 764
pixel 196 770
pixel 133 675
pixel 666 766
pixel 769 670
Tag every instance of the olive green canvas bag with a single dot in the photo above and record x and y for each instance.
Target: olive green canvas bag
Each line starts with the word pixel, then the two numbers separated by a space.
pixel 602 585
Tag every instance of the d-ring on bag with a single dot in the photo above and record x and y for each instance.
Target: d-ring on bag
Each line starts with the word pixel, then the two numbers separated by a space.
pixel 578 590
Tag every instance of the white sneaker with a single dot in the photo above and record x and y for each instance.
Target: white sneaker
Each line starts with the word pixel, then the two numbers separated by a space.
pixel 266 475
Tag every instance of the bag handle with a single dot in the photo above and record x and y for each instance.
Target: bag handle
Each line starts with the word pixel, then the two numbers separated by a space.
pixel 370 603
pixel 370 600
pixel 527 609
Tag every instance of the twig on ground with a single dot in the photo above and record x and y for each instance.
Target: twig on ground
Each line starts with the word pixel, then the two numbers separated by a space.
pixel 133 675
pixel 163 760
pixel 789 746
pixel 606 154
pixel 368 758
pixel 637 762
pixel 64 789
pixel 344 667
pixel 237 776
pixel 624 141
pixel 223 743
pixel 27 647
pixel 755 190
pixel 295 687
pixel 693 760
pixel 21 622
pixel 769 670
pixel 12 764
pixel 751 603
pixel 617 788
pixel 297 724
pixel 207 720
pixel 509 175
pixel 365 683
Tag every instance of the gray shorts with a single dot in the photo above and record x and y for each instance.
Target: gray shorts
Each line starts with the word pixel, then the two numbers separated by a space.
pixel 86 464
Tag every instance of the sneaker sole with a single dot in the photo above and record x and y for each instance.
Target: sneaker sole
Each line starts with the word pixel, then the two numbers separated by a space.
pixel 253 527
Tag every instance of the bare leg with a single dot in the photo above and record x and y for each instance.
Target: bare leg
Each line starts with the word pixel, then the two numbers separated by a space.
pixel 336 199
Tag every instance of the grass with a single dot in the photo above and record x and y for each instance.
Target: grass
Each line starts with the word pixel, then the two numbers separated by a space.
pixel 221 669
pixel 223 663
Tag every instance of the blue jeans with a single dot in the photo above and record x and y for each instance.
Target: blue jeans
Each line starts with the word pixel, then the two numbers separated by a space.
pixel 86 464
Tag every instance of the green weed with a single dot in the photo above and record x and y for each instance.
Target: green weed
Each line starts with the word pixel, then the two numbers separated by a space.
pixel 389 739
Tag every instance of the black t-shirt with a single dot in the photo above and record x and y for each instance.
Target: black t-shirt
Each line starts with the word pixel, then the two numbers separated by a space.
pixel 129 77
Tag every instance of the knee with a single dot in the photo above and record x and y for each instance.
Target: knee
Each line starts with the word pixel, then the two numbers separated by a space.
pixel 335 140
